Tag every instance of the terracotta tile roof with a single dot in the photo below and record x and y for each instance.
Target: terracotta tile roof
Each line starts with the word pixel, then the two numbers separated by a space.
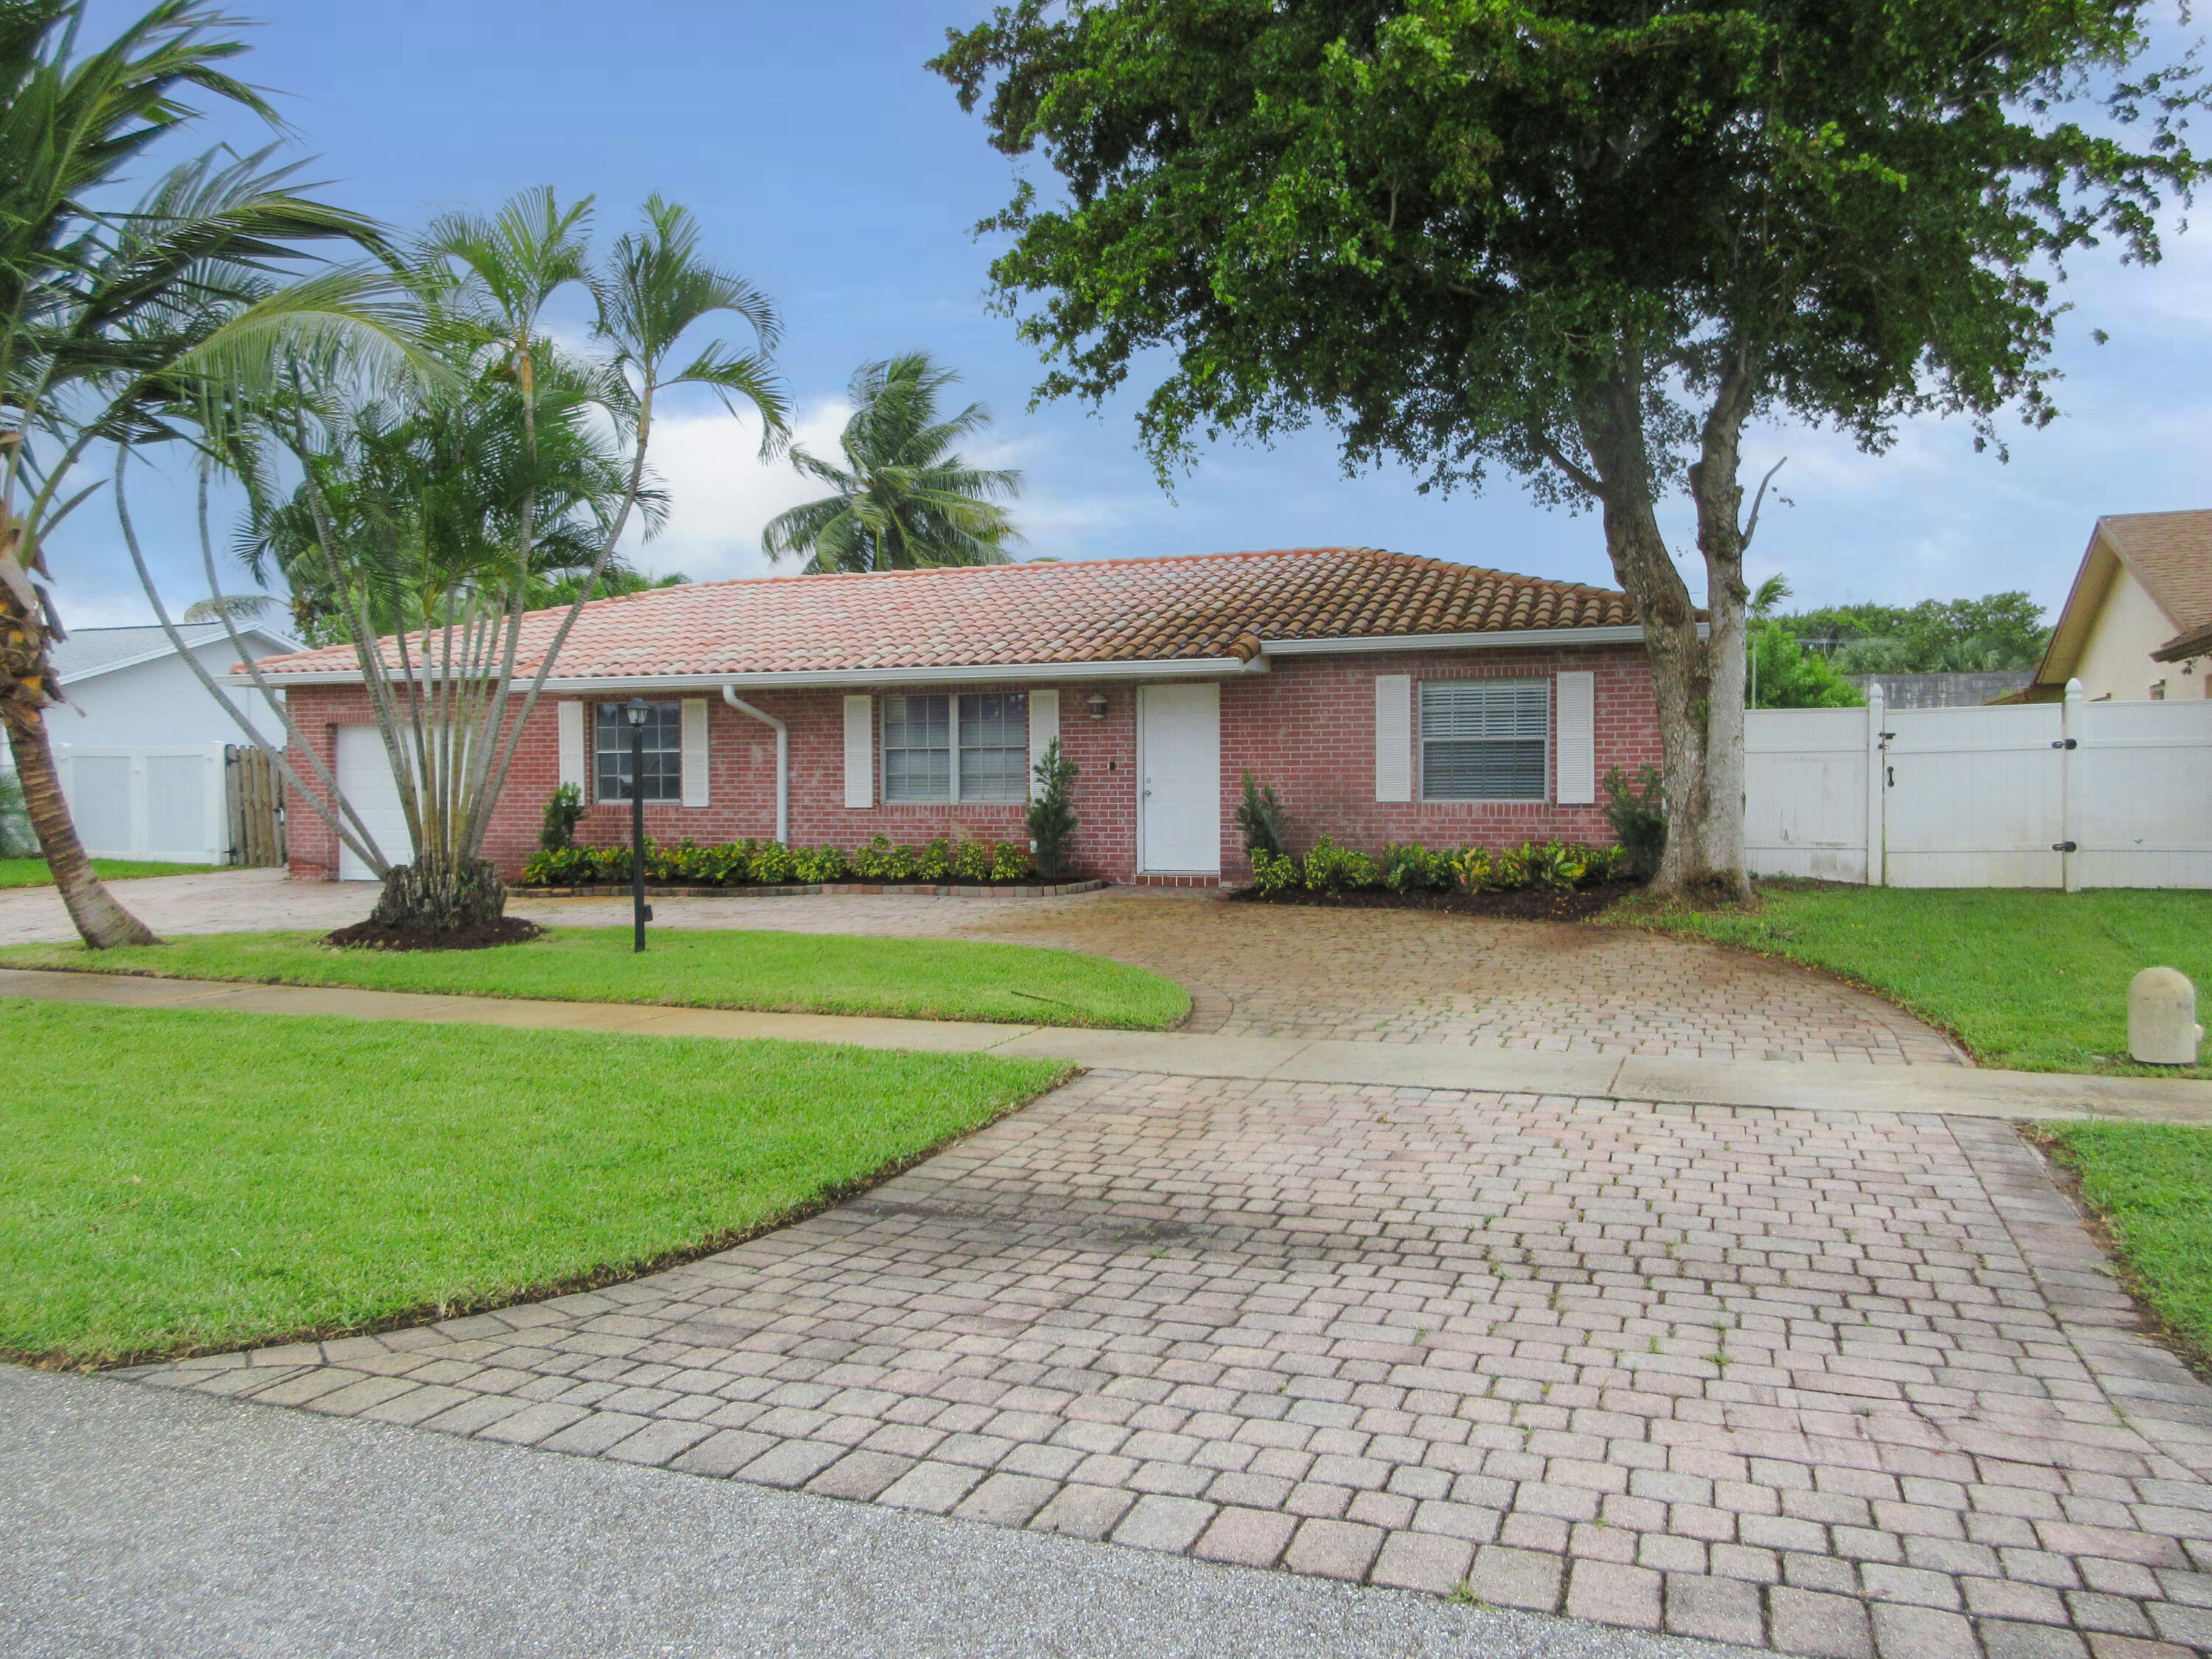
pixel 1215 604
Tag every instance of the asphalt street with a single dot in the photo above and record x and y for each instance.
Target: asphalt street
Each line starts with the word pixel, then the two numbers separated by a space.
pixel 134 1520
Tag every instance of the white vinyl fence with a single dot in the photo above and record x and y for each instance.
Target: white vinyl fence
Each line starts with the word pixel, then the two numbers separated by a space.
pixel 2066 794
pixel 166 803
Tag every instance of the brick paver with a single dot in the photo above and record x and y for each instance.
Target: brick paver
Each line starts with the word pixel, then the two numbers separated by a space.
pixel 1256 970
pixel 1846 1385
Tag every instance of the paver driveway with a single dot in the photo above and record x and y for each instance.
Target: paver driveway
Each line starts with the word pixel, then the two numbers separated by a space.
pixel 1844 1385
pixel 1377 975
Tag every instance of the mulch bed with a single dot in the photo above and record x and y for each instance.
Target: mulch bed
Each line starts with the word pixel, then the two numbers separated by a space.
pixel 1527 904
pixel 378 936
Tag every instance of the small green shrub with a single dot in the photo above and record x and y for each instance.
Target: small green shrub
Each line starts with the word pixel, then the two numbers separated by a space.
pixel 772 864
pixel 872 862
pixel 1603 864
pixel 1332 869
pixel 1508 870
pixel 935 863
pixel 561 867
pixel 564 809
pixel 1265 821
pixel 1410 867
pixel 1555 866
pixel 1274 872
pixel 1638 812
pixel 1052 811
pixel 823 864
pixel 1010 861
pixel 1472 868
pixel 971 861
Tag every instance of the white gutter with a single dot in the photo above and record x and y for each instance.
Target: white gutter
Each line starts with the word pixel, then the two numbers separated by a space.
pixel 782 760
pixel 1029 673
pixel 1499 639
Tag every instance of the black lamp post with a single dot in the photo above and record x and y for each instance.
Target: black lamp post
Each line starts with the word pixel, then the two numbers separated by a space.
pixel 637 710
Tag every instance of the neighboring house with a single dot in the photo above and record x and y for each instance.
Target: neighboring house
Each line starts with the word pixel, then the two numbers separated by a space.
pixel 2144 588
pixel 130 689
pixel 1955 690
pixel 140 744
pixel 1385 698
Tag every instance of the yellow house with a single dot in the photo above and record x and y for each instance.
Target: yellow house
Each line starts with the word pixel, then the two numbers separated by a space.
pixel 2137 625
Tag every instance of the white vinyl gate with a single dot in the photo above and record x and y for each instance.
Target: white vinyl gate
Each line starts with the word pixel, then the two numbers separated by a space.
pixel 167 803
pixel 2063 794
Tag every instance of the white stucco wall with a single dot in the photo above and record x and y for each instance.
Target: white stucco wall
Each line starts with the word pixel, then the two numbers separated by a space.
pixel 2116 660
pixel 157 702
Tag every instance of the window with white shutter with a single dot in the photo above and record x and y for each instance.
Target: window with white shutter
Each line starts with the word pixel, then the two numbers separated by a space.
pixel 1484 739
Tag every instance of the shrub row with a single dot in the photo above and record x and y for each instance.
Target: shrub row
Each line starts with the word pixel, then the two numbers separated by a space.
pixel 1329 868
pixel 771 863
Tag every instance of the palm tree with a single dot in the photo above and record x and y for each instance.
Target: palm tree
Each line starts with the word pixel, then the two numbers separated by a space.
pixel 109 320
pixel 904 500
pixel 431 512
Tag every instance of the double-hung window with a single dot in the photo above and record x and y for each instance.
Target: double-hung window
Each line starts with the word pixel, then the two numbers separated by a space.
pixel 1484 739
pixel 945 748
pixel 664 751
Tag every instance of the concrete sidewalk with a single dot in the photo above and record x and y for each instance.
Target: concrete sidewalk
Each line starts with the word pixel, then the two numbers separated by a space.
pixel 1961 1091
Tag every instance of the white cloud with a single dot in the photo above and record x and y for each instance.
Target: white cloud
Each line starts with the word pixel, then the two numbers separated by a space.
pixel 720 492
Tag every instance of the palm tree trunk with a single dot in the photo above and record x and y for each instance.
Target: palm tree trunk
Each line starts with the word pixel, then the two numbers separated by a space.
pixel 104 923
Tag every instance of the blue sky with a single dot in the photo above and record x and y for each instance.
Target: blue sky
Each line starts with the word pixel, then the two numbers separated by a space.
pixel 828 166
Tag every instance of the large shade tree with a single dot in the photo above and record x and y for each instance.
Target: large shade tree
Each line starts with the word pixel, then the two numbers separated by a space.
pixel 113 315
pixel 1585 243
pixel 903 497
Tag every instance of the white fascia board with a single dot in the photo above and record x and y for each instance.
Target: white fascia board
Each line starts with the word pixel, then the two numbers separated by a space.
pixel 1027 673
pixel 1496 639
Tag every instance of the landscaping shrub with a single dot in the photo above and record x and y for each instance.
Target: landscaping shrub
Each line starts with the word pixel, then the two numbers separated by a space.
pixel 823 864
pixel 773 864
pixel 1406 868
pixel 872 862
pixel 971 861
pixel 1264 820
pixel 1009 862
pixel 1274 872
pixel 1333 869
pixel 936 861
pixel 1473 868
pixel 563 809
pixel 1052 811
pixel 1638 812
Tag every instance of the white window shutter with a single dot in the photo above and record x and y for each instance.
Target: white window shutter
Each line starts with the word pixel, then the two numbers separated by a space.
pixel 859 752
pixel 694 751
pixel 571 717
pixel 1576 767
pixel 1044 728
pixel 1394 736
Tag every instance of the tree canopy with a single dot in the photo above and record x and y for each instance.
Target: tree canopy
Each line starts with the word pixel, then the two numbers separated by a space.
pixel 1935 636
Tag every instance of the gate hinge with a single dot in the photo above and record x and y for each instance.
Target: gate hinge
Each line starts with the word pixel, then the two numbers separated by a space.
pixel 2065 846
pixel 2064 742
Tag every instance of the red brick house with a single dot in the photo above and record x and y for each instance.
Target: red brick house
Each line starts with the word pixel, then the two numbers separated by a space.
pixel 1385 698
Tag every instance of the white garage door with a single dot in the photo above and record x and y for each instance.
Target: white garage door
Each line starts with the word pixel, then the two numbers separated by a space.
pixel 365 776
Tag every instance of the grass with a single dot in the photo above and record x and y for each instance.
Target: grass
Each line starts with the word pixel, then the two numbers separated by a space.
pixel 2152 1183
pixel 177 1181
pixel 33 873
pixel 2034 980
pixel 803 973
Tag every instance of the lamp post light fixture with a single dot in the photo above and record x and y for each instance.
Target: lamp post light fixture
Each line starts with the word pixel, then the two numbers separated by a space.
pixel 637 711
pixel 1097 705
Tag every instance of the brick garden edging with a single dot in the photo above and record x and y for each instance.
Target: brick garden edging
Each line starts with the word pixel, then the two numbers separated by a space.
pixel 834 888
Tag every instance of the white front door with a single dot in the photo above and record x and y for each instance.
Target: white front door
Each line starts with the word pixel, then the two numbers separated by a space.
pixel 1179 769
pixel 365 776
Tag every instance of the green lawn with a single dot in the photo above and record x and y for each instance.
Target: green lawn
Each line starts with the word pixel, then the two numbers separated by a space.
pixel 33 873
pixel 2031 980
pixel 807 973
pixel 2153 1184
pixel 175 1181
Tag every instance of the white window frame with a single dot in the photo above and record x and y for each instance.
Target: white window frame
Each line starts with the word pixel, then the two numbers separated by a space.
pixel 592 736
pixel 1421 740
pixel 952 797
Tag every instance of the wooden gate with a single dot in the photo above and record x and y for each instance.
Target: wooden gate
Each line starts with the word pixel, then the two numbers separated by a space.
pixel 257 806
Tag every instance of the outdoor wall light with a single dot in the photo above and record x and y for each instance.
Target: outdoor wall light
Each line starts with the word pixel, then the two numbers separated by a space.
pixel 1097 705
pixel 637 711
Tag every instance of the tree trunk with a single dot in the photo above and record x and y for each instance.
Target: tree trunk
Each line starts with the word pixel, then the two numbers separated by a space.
pixel 104 924
pixel 1700 746
pixel 440 895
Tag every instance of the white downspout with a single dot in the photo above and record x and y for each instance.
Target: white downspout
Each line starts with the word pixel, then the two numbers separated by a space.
pixel 782 760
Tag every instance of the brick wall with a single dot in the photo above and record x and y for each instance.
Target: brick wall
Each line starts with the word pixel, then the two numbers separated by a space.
pixel 1306 727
